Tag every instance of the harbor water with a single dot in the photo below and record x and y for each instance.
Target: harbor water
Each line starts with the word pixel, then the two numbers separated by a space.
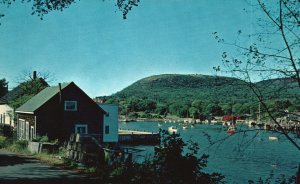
pixel 248 155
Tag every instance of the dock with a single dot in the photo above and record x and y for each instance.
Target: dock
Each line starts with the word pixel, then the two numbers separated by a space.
pixel 138 137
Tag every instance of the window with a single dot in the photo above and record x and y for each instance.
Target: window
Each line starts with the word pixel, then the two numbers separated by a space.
pixel 106 129
pixel 22 129
pixel 81 129
pixel 70 105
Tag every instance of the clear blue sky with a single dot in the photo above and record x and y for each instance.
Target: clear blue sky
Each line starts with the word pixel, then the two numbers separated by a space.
pixel 92 45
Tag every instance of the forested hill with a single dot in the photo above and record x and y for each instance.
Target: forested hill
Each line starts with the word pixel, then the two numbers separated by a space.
pixel 170 88
pixel 191 95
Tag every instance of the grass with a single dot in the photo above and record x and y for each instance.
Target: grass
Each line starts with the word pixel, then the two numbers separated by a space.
pixel 57 160
pixel 51 159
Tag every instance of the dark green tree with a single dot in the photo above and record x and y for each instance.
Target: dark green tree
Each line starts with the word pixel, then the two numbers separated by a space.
pixel 161 109
pixel 194 112
pixel 133 104
pixel 174 165
pixel 3 87
pixel 179 109
pixel 198 104
pixel 214 109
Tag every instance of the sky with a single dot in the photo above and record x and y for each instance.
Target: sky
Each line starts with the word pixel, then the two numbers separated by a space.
pixel 91 45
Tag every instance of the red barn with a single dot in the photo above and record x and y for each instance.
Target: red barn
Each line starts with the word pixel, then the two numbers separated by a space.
pixel 58 112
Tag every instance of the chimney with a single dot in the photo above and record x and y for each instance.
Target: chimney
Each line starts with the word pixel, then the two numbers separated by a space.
pixel 59 85
pixel 34 75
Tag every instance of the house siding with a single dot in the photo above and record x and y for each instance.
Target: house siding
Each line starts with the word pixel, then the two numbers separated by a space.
pixel 111 122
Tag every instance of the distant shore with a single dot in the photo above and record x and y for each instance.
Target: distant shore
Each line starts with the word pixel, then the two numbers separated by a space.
pixel 171 120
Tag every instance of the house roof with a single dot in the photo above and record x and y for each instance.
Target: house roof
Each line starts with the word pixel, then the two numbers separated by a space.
pixel 107 107
pixel 38 100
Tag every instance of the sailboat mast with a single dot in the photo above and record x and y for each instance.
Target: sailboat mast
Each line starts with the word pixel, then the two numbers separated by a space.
pixel 258 112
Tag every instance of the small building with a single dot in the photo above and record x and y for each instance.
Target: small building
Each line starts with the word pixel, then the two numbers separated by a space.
pixel 58 112
pixel 110 131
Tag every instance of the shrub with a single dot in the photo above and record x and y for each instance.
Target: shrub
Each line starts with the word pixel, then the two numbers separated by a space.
pixel 3 142
pixel 19 146
pixel 43 138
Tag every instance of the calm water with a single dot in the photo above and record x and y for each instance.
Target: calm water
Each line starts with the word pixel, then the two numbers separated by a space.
pixel 240 157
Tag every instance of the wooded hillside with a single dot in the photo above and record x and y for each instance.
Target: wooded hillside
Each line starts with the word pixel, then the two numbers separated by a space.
pixel 192 95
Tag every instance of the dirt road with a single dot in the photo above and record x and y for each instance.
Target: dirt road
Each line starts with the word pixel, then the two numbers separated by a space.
pixel 21 169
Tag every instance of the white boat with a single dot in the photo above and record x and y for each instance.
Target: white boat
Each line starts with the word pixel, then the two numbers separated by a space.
pixel 184 127
pixel 172 129
pixel 273 138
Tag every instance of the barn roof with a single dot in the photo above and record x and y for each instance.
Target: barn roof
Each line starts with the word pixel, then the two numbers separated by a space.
pixel 38 100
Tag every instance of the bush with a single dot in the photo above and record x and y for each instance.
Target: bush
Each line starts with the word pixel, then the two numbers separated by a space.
pixel 3 142
pixel 43 138
pixel 19 146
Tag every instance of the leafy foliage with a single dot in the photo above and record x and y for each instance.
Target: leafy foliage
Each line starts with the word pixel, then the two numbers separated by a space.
pixel 43 7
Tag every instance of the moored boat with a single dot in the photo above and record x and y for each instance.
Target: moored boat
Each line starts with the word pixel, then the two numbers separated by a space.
pixel 172 129
pixel 231 130
pixel 273 138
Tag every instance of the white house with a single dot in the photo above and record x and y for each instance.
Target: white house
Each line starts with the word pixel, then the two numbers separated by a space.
pixel 110 125
pixel 6 114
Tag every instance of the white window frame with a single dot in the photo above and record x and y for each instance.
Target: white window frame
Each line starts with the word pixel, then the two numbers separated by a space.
pixel 79 126
pixel 27 130
pixel 70 101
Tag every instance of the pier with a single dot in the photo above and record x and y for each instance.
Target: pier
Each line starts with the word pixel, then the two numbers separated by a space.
pixel 138 137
